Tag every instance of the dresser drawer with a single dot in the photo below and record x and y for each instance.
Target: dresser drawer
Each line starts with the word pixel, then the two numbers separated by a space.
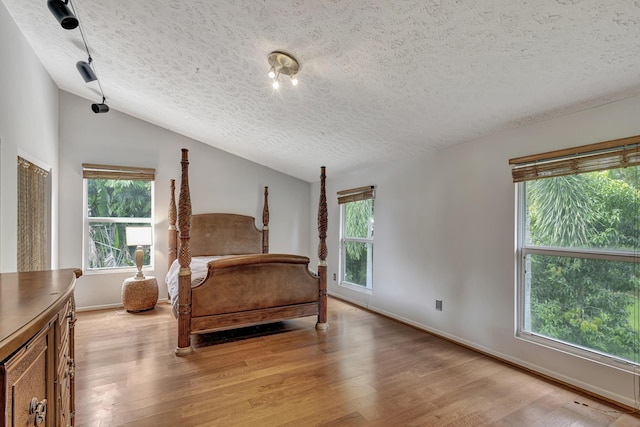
pixel 25 383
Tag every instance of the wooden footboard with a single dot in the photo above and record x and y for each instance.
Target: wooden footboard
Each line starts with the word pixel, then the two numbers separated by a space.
pixel 220 322
pixel 247 289
pixel 254 282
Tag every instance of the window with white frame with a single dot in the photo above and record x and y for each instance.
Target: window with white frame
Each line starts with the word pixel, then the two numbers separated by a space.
pixel 356 237
pixel 578 242
pixel 115 197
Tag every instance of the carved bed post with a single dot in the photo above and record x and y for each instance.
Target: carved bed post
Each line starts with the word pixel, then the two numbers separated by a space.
pixel 322 253
pixel 173 231
pixel 265 222
pixel 184 256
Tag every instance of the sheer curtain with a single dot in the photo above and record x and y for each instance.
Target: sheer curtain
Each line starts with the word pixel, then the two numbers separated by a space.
pixel 33 235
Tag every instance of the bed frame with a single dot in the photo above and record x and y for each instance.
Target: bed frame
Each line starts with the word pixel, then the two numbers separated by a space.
pixel 251 288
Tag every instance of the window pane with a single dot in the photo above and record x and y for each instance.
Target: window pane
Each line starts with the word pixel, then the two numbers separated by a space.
pixel 107 246
pixel 585 302
pixel 590 210
pixel 357 263
pixel 359 219
pixel 109 198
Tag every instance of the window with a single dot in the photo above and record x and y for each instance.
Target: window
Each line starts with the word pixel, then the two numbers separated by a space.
pixel 356 237
pixel 115 197
pixel 578 242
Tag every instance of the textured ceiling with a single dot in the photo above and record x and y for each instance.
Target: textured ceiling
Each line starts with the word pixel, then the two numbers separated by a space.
pixel 379 80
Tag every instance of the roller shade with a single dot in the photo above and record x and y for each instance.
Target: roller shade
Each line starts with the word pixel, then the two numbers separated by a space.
pixel 93 171
pixel 612 154
pixel 356 194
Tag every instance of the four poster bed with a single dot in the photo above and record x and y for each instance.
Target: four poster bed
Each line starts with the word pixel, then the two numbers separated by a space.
pixel 222 275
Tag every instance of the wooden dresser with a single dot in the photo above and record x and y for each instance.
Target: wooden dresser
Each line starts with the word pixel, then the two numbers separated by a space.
pixel 37 315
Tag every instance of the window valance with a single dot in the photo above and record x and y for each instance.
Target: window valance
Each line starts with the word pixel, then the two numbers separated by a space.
pixel 356 194
pixel 612 154
pixel 92 171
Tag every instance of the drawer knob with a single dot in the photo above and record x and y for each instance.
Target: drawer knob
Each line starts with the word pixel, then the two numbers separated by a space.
pixel 38 410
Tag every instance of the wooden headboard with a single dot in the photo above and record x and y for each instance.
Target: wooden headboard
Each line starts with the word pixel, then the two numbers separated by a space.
pixel 215 234
pixel 224 234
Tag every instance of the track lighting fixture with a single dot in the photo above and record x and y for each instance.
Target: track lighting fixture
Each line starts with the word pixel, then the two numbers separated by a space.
pixel 100 108
pixel 63 14
pixel 85 70
pixel 282 63
pixel 68 20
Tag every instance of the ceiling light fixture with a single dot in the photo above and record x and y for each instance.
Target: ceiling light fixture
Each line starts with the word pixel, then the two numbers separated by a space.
pixel 85 70
pixel 63 14
pixel 282 63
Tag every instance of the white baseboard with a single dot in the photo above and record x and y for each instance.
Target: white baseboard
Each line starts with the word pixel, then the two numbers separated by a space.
pixel 107 306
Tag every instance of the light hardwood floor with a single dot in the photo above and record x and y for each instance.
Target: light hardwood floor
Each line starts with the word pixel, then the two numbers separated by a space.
pixel 365 370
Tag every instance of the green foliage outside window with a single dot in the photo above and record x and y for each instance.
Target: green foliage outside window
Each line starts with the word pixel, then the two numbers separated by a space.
pixel 112 205
pixel 356 262
pixel 591 303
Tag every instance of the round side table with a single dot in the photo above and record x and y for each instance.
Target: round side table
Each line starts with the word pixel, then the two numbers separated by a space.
pixel 139 294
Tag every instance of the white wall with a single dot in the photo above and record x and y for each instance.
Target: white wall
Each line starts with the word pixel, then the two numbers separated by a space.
pixel 445 230
pixel 28 127
pixel 219 182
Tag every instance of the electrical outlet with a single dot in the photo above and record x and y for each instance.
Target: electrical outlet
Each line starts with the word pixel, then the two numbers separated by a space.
pixel 439 304
pixel 334 277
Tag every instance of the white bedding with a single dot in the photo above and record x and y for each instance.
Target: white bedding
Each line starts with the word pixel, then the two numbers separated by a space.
pixel 198 273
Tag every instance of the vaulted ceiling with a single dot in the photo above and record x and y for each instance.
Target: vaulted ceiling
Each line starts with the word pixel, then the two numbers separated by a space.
pixel 379 79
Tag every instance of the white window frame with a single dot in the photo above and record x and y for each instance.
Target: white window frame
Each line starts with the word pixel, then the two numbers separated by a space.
pixel 522 250
pixel 368 289
pixel 114 220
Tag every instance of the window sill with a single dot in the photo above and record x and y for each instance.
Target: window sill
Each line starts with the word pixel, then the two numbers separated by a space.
pixel 582 353
pixel 148 270
pixel 356 288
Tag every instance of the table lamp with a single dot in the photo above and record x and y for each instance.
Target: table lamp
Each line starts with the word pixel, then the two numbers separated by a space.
pixel 138 236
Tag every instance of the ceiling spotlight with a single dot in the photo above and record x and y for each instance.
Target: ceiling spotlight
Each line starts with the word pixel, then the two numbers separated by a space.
pixel 85 70
pixel 282 63
pixel 100 108
pixel 63 14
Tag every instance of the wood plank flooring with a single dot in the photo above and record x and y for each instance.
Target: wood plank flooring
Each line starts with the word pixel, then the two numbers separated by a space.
pixel 365 370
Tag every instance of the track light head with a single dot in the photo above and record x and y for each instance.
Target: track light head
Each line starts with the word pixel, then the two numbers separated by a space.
pixel 85 70
pixel 63 14
pixel 100 108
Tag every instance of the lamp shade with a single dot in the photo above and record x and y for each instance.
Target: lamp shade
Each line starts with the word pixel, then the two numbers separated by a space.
pixel 138 236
